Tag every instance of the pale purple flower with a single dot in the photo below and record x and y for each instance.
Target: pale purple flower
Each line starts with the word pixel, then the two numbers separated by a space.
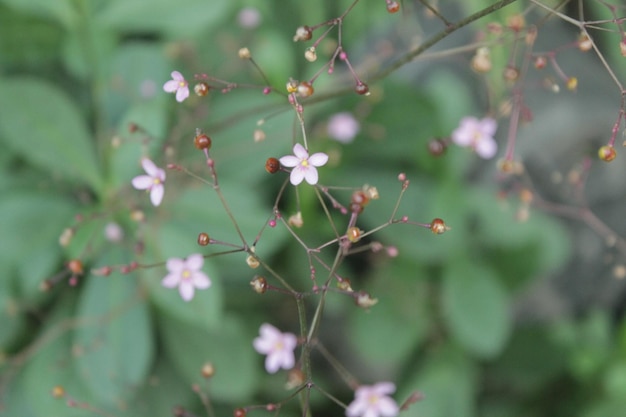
pixel 152 182
pixel 277 346
pixel 177 85
pixel 477 134
pixel 249 17
pixel 186 275
pixel 304 166
pixel 343 127
pixel 373 401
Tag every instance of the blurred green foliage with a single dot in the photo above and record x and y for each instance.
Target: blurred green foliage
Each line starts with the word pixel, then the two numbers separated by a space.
pixel 75 73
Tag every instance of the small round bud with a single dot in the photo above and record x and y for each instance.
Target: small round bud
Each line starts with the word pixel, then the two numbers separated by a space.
pixel 292 86
pixel 296 220
pixel 572 83
pixel 203 239
pixel 303 33
pixel 344 285
pixel 540 62
pixel 258 135
pixel 239 412
pixel 295 378
pixel 393 6
pixel 362 89
pixel 305 89
pixel 607 153
pixel 526 196
pixel 481 61
pixel 622 47
pixel 437 147
pixel 272 165
pixel 58 391
pixel 66 237
pixel 208 370
pixel 259 285
pixel 201 89
pixel 252 262
pixel 75 266
pixel 353 234
pixel 516 22
pixel 244 53
pixel 360 197
pixel 371 192
pixel 584 43
pixel 437 226
pixel 310 54
pixel 202 141
pixel 364 300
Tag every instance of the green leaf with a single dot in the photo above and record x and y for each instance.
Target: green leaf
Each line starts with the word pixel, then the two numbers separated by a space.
pixel 28 243
pixel 61 11
pixel 29 394
pixel 45 127
pixel 475 308
pixel 182 18
pixel 228 348
pixel 449 384
pixel 117 348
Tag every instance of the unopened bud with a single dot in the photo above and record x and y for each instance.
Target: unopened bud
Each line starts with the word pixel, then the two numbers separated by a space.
pixel 572 83
pixel 259 285
pixel 364 300
pixel 481 62
pixel 66 237
pixel 208 370
pixel 303 33
pixel 584 43
pixel 296 220
pixel 244 53
pixel 310 54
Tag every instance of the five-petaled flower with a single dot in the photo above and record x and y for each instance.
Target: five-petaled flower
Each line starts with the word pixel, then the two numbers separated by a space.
pixel 304 166
pixel 152 182
pixel 477 134
pixel 177 85
pixel 186 275
pixel 277 346
pixel 373 401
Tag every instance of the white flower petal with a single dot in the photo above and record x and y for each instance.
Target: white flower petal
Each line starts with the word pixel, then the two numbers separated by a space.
pixel 149 166
pixel 318 159
pixel 272 363
pixel 156 194
pixel 195 262
pixel 177 76
pixel 387 407
pixel 300 152
pixel 182 94
pixel 186 290
pixel 488 126
pixel 171 280
pixel 200 280
pixel 289 161
pixel 175 265
pixel 170 86
pixel 384 388
pixel 310 175
pixel 486 148
pixel 142 182
pixel 297 175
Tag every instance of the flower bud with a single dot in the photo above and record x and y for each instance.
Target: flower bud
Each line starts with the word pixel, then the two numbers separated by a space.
pixel 296 220
pixel 244 53
pixel 303 33
pixel 201 89
pixel 354 234
pixel 305 89
pixel 364 300
pixel 584 43
pixel 208 370
pixel 481 62
pixel 438 227
pixel 272 165
pixel 607 153
pixel 259 285
pixel 572 83
pixel 362 89
pixel 252 262
pixel 203 239
pixel 310 54
pixel 75 266
pixel 202 141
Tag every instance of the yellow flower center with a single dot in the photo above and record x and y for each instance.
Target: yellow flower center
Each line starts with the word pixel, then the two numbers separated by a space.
pixel 304 163
pixel 186 274
pixel 182 83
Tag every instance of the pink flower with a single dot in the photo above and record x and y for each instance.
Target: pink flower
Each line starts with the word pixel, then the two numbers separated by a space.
pixel 373 401
pixel 477 134
pixel 304 166
pixel 343 127
pixel 186 275
pixel 152 182
pixel 177 85
pixel 277 346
